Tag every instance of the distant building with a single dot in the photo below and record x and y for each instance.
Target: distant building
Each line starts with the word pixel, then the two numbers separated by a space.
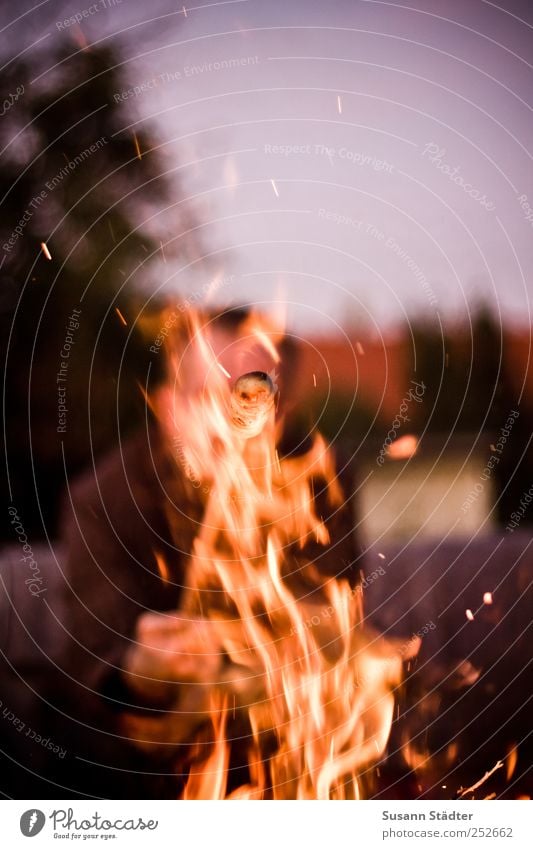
pixel 374 370
pixel 378 369
pixel 444 490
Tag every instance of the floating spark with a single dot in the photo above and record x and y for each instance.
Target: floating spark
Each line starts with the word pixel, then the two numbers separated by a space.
pixel 137 148
pixel 123 320
pixel 45 250
pixel 511 763
pixel 403 448
pixel 223 370
pixel 162 567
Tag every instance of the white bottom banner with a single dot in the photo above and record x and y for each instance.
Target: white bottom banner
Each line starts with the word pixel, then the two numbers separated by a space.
pixel 268 825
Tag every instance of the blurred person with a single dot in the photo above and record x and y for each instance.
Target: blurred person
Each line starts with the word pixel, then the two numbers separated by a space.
pixel 109 667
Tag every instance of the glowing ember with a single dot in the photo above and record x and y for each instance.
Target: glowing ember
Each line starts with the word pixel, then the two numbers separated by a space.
pixel 162 567
pixel 123 320
pixel 487 598
pixel 511 763
pixel 481 781
pixel 323 698
pixel 223 370
pixel 137 147
pixel 403 447
pixel 46 252
pixel 469 615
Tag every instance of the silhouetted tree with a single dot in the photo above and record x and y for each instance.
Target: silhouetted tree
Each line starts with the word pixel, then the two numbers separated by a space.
pixel 470 390
pixel 462 372
pixel 75 178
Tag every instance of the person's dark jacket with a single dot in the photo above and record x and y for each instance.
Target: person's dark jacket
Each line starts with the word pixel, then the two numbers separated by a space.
pixel 136 508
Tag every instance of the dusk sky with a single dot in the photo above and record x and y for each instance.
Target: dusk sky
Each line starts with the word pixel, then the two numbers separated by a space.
pixel 364 160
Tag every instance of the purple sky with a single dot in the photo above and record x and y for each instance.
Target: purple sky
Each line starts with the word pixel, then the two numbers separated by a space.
pixel 403 169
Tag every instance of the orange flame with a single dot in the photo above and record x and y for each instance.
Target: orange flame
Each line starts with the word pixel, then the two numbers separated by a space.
pixel 322 703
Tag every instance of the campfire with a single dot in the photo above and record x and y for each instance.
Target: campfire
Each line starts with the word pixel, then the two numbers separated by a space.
pixel 323 688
